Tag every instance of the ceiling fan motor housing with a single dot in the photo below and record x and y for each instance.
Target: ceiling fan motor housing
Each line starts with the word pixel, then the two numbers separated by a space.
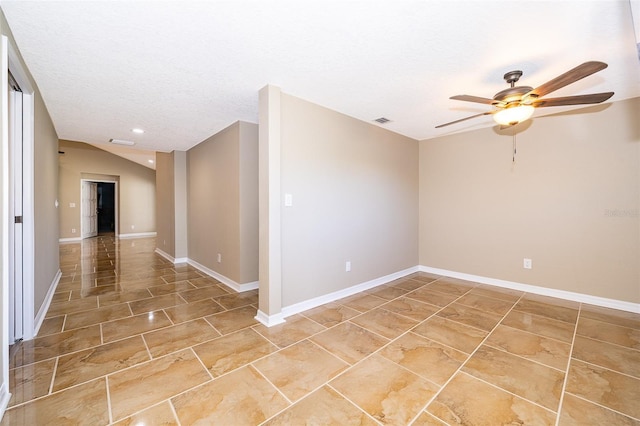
pixel 512 94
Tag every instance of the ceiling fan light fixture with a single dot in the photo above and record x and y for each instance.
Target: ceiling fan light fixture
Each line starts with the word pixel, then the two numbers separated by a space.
pixel 513 115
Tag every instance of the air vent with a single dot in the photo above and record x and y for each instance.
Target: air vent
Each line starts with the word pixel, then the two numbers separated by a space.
pixel 382 120
pixel 121 142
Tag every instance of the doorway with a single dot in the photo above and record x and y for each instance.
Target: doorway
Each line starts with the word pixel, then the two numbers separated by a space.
pixel 99 206
pixel 106 207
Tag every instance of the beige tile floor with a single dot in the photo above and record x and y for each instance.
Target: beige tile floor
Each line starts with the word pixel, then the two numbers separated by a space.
pixel 133 339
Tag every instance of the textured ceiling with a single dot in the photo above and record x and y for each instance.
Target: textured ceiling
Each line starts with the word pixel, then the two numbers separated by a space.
pixel 184 70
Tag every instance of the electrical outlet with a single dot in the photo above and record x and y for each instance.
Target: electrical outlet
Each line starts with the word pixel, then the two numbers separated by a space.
pixel 133 227
pixel 347 266
pixel 73 230
pixel 526 264
pixel 219 258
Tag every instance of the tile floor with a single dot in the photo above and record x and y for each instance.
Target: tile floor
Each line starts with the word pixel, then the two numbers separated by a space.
pixel 133 339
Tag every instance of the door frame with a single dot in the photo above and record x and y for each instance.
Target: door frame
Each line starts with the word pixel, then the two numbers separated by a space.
pixel 116 208
pixel 83 210
pixel 28 223
pixel 16 240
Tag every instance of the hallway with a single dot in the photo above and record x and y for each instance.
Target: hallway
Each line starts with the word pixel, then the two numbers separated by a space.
pixel 131 339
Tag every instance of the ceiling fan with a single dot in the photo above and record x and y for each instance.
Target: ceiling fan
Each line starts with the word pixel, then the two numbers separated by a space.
pixel 517 103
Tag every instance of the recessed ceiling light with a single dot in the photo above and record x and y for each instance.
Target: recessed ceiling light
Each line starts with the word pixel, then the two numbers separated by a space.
pixel 121 142
pixel 150 161
pixel 137 130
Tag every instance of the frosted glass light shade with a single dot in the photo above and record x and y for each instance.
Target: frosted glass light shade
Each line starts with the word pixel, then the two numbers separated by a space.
pixel 513 115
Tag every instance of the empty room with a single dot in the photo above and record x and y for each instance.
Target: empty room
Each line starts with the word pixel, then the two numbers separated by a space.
pixel 323 212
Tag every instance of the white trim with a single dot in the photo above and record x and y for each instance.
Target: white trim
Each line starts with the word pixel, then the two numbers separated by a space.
pixel 70 240
pixel 4 128
pixel 137 235
pixel 42 312
pixel 171 258
pixel 287 311
pixel 544 291
pixel 28 213
pixel 165 255
pixel 269 320
pixel 5 397
pixel 28 224
pixel 224 280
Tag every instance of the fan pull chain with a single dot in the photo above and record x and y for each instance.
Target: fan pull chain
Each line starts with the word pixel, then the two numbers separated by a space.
pixel 513 159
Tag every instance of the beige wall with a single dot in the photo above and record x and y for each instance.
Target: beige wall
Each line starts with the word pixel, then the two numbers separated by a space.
pixel 45 188
pixel 570 202
pixel 248 181
pixel 354 188
pixel 222 181
pixel 136 188
pixel 165 203
pixel 45 182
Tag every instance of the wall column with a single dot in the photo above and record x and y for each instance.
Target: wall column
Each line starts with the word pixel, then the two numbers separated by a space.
pixel 180 203
pixel 270 235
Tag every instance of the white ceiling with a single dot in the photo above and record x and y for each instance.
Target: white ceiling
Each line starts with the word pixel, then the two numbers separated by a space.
pixel 184 70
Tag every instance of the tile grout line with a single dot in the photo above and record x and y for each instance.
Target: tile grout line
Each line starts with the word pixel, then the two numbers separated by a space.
pixel 291 403
pixel 604 407
pixel 202 364
pixel 144 342
pixel 566 374
pixel 352 402
pixel 509 392
pixel 534 333
pixel 609 343
pixel 173 410
pixel 433 398
pixel 109 408
pixel 53 376
pixel 607 369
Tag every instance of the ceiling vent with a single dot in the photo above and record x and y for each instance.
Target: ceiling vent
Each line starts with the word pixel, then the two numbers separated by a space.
pixel 121 142
pixel 382 120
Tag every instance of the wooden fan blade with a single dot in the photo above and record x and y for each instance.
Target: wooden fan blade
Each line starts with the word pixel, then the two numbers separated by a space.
pixel 470 98
pixel 467 118
pixel 593 98
pixel 571 76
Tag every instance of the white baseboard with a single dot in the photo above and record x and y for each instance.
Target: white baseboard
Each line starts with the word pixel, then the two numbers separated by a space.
pixel 69 240
pixel 340 294
pixel 42 312
pixel 5 396
pixel 171 258
pixel 269 320
pixel 543 291
pixel 224 280
pixel 137 235
pixel 165 255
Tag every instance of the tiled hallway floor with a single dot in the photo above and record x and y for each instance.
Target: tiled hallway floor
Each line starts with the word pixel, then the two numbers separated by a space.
pixel 133 339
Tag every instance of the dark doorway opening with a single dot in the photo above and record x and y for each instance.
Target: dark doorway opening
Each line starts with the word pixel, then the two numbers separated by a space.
pixel 106 207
